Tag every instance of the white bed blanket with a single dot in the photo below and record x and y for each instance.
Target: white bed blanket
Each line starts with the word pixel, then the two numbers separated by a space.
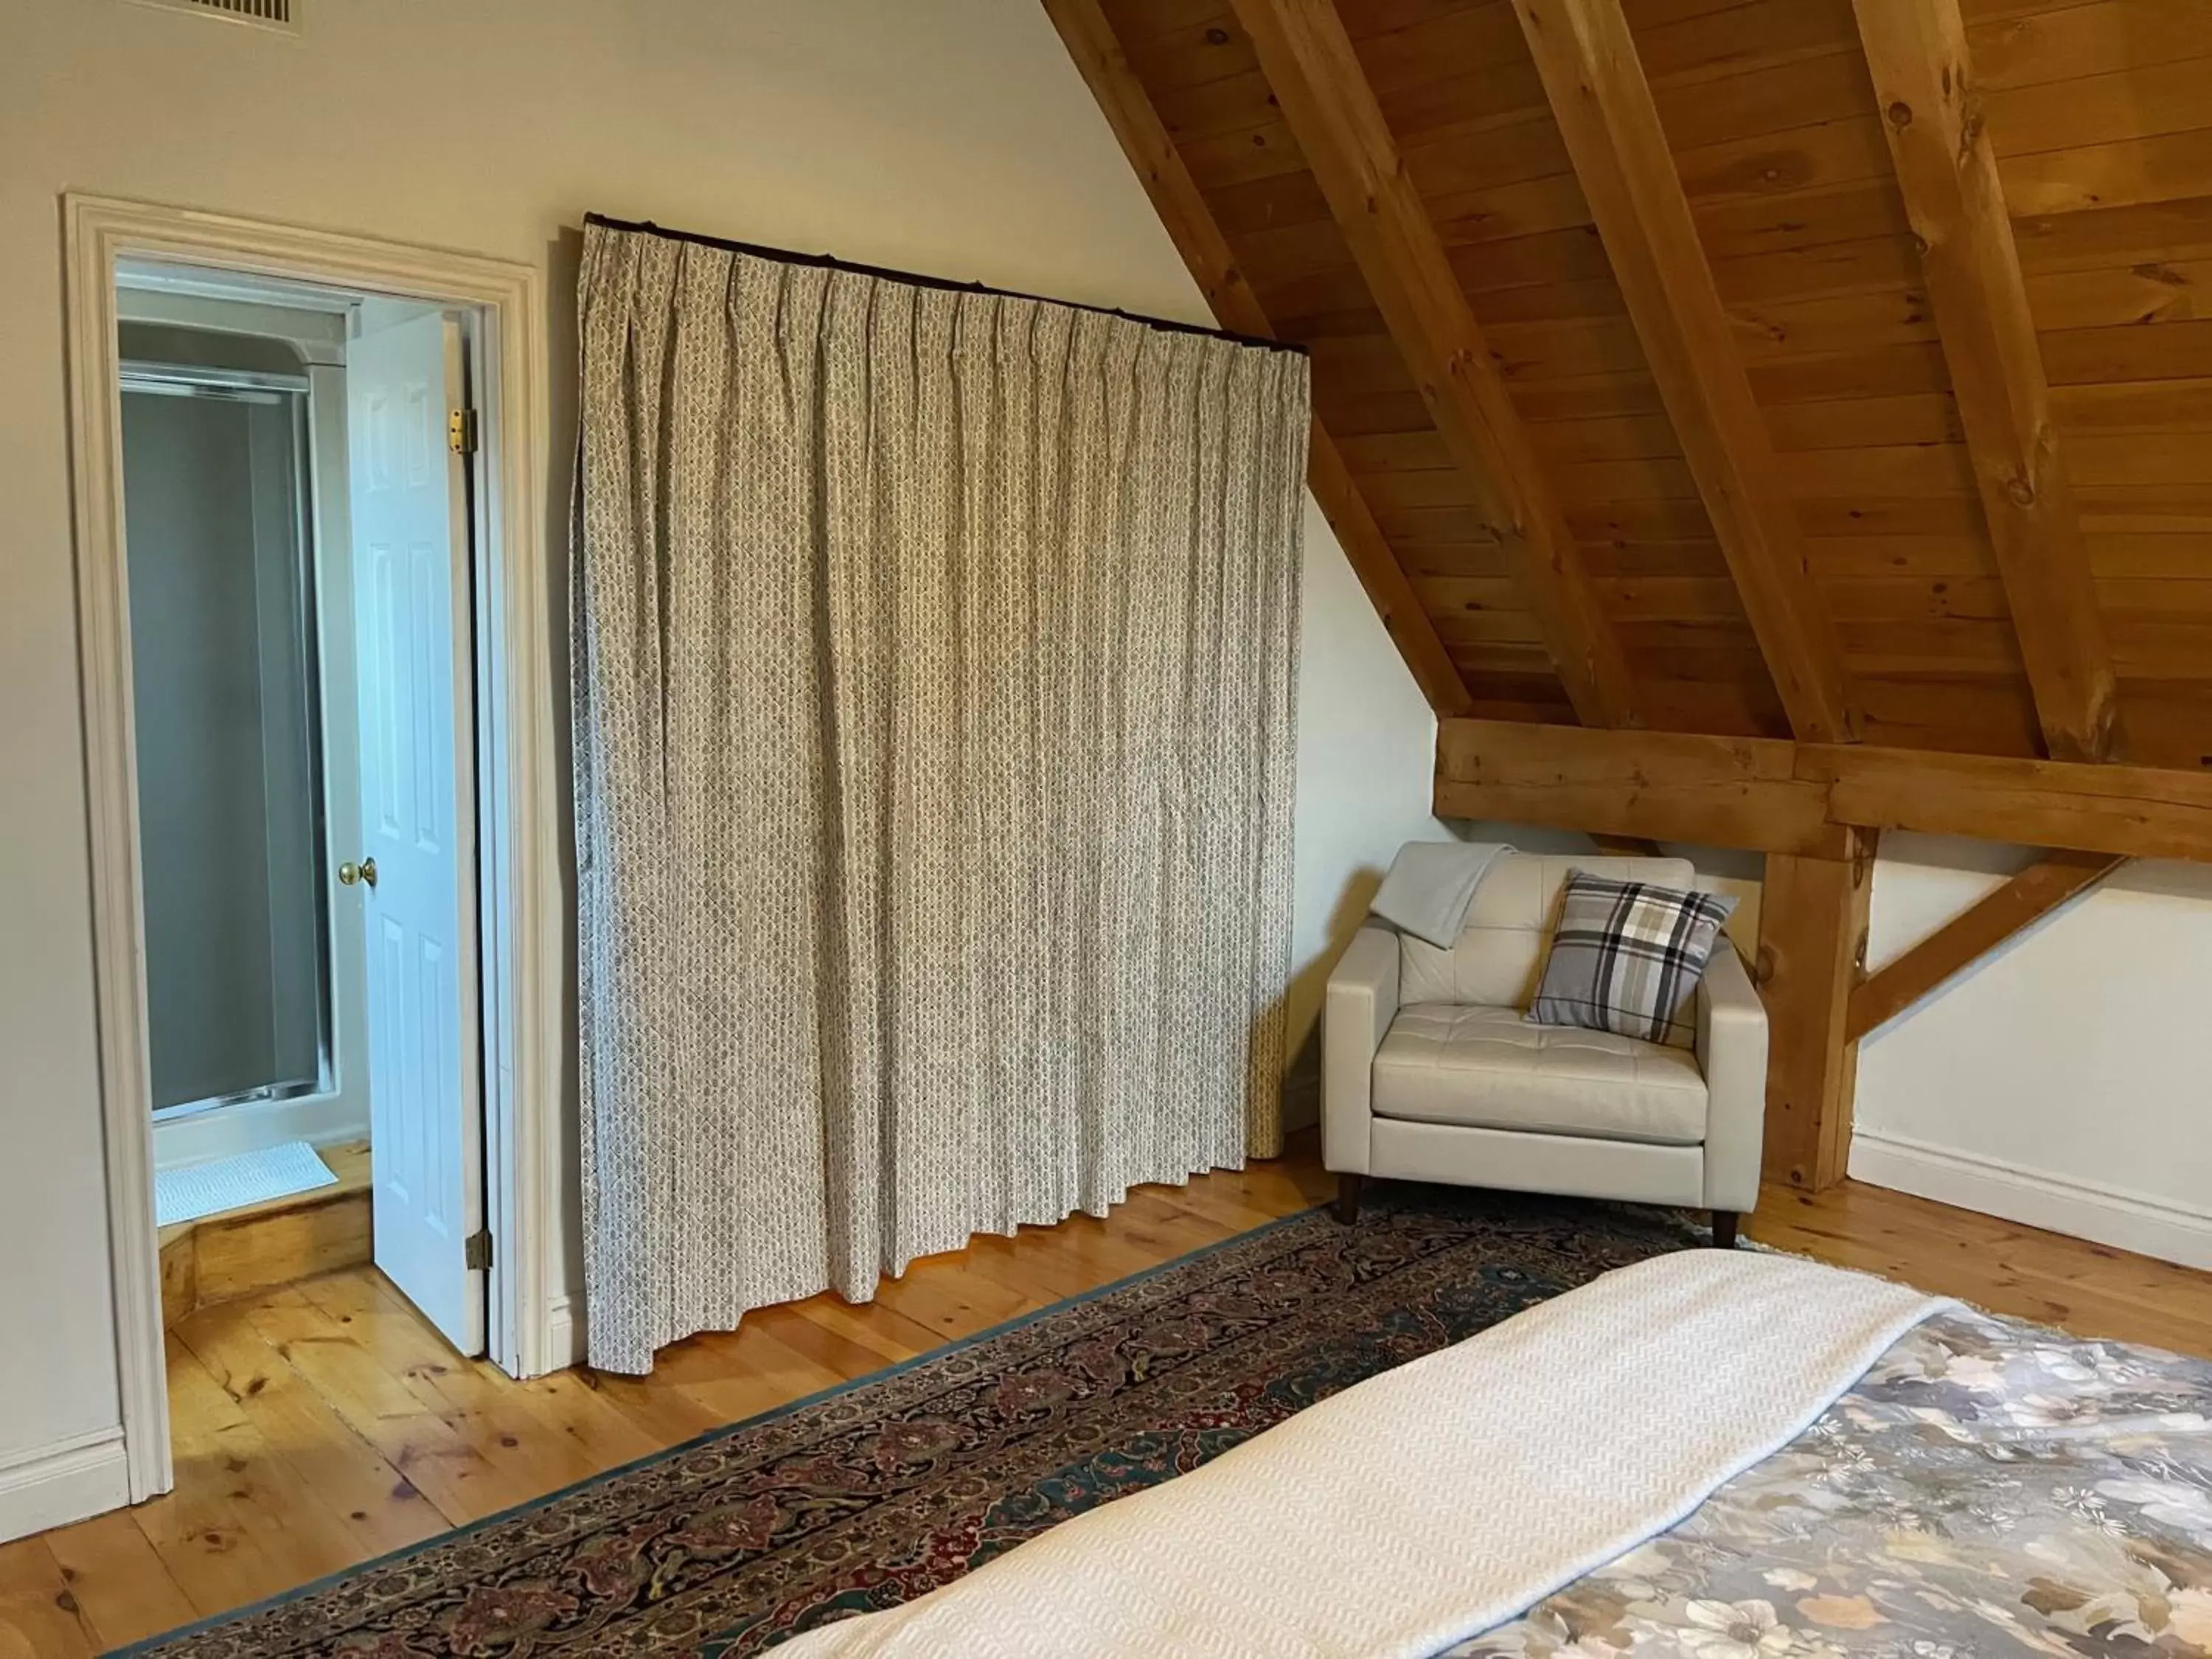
pixel 1440 1498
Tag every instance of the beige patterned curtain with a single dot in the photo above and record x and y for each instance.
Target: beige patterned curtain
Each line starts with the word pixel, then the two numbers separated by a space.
pixel 934 667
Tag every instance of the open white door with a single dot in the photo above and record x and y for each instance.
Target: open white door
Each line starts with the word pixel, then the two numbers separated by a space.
pixel 411 570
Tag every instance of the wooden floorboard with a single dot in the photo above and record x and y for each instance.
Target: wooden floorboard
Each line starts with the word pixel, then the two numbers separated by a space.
pixel 279 1241
pixel 321 1424
pixel 2092 1290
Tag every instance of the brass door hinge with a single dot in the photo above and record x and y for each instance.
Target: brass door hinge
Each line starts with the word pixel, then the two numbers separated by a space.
pixel 461 431
pixel 476 1253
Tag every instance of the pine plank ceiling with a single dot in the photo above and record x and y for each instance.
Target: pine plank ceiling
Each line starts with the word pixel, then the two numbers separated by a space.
pixel 1853 526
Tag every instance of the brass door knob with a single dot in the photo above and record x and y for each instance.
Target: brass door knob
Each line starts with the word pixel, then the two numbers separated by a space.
pixel 350 873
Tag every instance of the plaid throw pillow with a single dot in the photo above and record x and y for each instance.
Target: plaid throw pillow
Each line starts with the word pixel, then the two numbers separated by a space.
pixel 1628 957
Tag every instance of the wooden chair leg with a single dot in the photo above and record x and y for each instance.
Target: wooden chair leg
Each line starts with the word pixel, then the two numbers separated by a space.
pixel 1725 1230
pixel 1347 1197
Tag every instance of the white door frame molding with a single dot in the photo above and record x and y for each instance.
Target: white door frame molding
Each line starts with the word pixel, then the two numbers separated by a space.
pixel 519 873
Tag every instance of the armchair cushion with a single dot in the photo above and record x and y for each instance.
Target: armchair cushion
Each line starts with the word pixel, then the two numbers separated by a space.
pixel 1628 957
pixel 1488 1068
pixel 1499 955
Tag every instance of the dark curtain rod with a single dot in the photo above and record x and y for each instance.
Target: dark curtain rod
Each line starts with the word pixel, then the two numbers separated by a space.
pixel 916 279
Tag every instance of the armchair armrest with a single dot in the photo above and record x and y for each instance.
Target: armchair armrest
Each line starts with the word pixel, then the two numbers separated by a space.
pixel 1732 1054
pixel 1363 1000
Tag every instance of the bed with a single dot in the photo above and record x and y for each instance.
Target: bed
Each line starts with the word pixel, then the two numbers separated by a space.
pixel 1722 1456
pixel 1986 1487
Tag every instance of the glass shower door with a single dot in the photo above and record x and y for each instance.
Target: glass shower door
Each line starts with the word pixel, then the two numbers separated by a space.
pixel 230 788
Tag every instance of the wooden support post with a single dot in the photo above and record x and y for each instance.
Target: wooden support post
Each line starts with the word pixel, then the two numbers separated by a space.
pixel 1812 948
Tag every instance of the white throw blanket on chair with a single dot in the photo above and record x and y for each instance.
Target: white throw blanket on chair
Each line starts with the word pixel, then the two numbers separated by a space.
pixel 1442 1497
pixel 1430 887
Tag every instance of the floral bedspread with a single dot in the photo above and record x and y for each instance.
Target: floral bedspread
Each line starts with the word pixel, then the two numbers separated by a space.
pixel 1987 1488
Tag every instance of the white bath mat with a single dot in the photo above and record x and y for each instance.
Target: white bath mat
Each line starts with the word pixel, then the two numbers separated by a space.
pixel 231 1183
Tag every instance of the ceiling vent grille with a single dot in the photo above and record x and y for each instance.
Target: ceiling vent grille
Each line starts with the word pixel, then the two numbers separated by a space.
pixel 280 15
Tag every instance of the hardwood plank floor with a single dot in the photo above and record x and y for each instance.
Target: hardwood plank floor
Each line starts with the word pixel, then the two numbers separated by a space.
pixel 2092 1290
pixel 322 1423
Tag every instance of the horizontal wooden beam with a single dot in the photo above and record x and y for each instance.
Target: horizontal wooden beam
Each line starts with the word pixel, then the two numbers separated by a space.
pixel 2139 811
pixel 1774 796
pixel 2033 894
pixel 1197 237
pixel 1717 792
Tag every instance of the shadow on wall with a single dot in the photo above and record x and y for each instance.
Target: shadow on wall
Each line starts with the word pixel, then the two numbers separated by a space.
pixel 1307 987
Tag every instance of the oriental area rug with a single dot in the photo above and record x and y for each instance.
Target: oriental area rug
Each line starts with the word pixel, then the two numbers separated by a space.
pixel 874 1493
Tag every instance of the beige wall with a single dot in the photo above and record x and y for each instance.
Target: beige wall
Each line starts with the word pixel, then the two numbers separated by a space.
pixel 950 136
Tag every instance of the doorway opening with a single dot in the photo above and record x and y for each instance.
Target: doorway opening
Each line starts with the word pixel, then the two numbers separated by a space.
pixel 318 710
pixel 297 470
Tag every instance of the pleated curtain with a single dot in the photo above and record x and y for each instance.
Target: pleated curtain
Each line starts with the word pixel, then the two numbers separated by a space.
pixel 934 657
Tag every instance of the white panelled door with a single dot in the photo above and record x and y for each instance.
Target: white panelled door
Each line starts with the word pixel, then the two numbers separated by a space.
pixel 411 569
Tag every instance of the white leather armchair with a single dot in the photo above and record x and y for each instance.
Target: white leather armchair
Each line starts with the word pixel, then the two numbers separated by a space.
pixel 1429 1072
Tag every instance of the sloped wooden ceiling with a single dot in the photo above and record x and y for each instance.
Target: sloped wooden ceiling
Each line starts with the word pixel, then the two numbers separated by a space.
pixel 1858 511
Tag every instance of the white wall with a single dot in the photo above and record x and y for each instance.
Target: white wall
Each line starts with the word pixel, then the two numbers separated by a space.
pixel 2066 1081
pixel 1366 765
pixel 952 137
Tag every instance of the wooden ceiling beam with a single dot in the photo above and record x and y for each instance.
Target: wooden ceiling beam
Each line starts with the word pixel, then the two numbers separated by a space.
pixel 1947 172
pixel 1309 63
pixel 1587 58
pixel 1952 949
pixel 1772 795
pixel 1390 590
pixel 2142 812
pixel 1190 223
pixel 1661 785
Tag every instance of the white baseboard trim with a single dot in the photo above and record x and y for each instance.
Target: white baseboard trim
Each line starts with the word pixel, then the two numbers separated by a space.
pixel 68 1480
pixel 564 1332
pixel 2106 1215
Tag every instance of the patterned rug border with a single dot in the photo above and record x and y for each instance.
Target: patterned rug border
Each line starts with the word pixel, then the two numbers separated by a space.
pixel 706 1436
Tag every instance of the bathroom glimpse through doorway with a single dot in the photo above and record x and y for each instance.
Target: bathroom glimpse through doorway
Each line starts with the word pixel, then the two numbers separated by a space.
pixel 319 740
